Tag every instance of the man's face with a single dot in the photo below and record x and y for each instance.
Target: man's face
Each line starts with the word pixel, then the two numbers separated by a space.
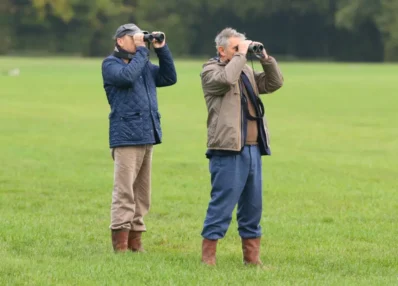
pixel 232 47
pixel 127 43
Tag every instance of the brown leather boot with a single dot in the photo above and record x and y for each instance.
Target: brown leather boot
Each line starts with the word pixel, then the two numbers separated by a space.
pixel 119 239
pixel 135 244
pixel 209 251
pixel 251 251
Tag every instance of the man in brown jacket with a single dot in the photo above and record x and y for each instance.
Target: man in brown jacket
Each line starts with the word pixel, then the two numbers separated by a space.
pixel 237 137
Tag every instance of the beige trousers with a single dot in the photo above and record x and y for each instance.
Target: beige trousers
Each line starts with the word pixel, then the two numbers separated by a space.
pixel 131 196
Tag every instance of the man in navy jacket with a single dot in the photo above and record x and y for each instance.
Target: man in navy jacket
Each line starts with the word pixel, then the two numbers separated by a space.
pixel 130 82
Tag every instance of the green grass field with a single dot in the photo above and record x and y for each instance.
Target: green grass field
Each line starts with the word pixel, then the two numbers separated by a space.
pixel 330 187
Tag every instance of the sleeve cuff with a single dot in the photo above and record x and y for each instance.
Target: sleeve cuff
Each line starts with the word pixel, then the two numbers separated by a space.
pixel 162 49
pixel 240 54
pixel 268 62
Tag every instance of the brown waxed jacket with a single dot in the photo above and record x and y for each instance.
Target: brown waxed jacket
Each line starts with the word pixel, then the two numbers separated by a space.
pixel 220 84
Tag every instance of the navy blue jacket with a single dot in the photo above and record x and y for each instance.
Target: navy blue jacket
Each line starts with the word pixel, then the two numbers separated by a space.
pixel 131 91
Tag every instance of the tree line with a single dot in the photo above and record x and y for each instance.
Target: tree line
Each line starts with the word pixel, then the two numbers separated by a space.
pixel 341 30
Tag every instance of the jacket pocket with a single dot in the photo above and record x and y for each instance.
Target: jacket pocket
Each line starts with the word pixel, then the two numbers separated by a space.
pixel 132 128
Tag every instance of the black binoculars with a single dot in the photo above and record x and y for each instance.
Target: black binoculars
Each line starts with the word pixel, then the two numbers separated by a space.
pixel 255 48
pixel 149 37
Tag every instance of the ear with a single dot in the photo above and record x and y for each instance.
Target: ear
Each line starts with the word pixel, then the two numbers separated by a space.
pixel 221 51
pixel 119 41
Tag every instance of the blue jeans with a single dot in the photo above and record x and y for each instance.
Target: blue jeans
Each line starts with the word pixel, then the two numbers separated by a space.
pixel 235 179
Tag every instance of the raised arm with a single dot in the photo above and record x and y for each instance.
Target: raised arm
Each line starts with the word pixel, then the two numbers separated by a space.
pixel 218 81
pixel 271 79
pixel 121 75
pixel 165 74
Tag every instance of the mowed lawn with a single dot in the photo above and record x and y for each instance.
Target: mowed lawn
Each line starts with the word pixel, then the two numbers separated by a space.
pixel 330 188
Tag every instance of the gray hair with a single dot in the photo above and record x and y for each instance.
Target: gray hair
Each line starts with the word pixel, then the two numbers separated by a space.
pixel 223 37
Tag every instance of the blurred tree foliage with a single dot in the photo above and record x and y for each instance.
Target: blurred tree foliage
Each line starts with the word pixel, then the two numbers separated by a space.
pixel 344 30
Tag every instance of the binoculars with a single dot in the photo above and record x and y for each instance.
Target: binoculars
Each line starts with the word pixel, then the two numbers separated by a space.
pixel 255 48
pixel 149 37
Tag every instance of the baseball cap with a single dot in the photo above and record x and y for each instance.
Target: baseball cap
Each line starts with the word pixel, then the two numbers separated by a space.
pixel 126 29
